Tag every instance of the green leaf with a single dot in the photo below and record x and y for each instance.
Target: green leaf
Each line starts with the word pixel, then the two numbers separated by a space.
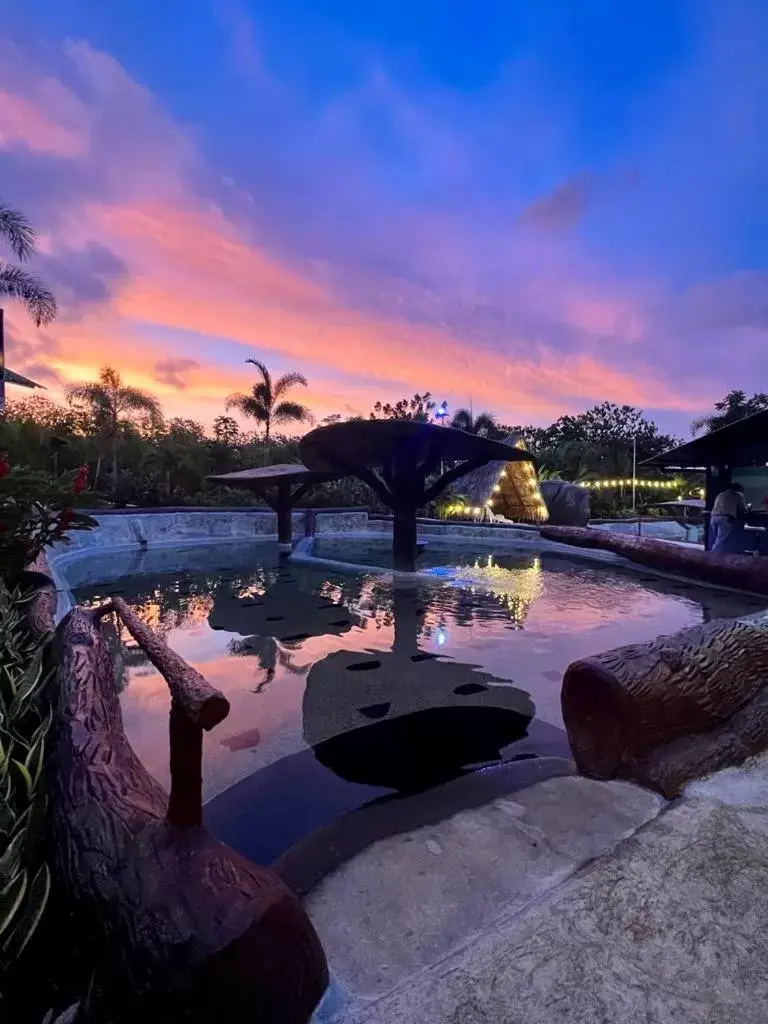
pixel 10 862
pixel 33 762
pixel 25 779
pixel 35 903
pixel 10 899
pixel 29 685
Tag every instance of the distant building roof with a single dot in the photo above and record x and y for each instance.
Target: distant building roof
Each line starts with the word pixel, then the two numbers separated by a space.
pixel 741 443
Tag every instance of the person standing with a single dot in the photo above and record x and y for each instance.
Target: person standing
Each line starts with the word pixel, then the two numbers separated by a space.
pixel 729 514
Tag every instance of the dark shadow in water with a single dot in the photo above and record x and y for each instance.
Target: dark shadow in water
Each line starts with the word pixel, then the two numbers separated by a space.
pixel 414 752
pixel 378 739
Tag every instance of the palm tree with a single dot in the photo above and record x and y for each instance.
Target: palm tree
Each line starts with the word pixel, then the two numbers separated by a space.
pixel 111 403
pixel 16 283
pixel 735 406
pixel 484 424
pixel 267 403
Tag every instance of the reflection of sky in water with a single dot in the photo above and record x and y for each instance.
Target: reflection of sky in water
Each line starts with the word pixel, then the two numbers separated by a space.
pixel 521 618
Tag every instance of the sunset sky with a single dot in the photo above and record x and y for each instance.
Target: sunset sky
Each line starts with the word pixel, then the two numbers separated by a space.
pixel 533 204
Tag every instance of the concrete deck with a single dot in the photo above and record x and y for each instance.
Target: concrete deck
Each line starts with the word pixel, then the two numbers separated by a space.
pixel 571 902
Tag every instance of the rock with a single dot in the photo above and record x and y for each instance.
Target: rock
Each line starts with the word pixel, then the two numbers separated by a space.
pixel 568 504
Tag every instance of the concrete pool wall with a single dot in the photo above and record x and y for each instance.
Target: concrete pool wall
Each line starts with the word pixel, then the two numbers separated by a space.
pixel 125 541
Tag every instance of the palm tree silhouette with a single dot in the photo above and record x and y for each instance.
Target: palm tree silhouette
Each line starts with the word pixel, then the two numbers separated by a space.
pixel 483 424
pixel 267 403
pixel 16 283
pixel 111 403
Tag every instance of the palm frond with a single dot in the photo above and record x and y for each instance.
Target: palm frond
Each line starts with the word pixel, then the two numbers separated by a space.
pixel 18 284
pixel 91 392
pixel 462 420
pixel 295 412
pixel 288 381
pixel 18 233
pixel 485 422
pixel 247 405
pixel 266 375
pixel 136 400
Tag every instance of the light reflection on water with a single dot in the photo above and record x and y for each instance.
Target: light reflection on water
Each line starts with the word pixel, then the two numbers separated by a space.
pixel 280 641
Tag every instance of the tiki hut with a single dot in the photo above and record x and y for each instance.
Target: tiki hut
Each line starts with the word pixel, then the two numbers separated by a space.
pixel 509 490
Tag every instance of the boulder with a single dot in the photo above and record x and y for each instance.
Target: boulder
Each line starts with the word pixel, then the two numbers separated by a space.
pixel 567 504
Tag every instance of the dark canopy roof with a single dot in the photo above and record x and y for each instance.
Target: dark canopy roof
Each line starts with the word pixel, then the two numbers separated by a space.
pixel 263 476
pixel 741 443
pixel 374 442
pixel 11 377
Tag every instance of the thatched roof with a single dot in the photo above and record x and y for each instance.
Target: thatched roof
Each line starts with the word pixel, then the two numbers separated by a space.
pixel 263 476
pixel 374 442
pixel 510 487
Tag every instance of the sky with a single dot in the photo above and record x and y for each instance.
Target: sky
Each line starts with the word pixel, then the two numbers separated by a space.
pixel 527 206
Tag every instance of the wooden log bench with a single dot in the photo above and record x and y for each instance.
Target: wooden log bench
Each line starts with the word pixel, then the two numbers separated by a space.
pixel 743 572
pixel 177 925
pixel 674 709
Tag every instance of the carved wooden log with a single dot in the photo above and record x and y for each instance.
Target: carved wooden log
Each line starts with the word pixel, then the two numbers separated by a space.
pixel 744 572
pixel 178 926
pixel 670 710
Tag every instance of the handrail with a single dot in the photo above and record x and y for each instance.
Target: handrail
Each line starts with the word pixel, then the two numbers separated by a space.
pixel 195 706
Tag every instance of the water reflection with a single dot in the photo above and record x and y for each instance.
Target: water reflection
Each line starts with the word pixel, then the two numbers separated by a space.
pixel 380 725
pixel 281 640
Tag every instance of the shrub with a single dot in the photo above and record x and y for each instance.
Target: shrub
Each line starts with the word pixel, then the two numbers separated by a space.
pixel 35 512
pixel 24 722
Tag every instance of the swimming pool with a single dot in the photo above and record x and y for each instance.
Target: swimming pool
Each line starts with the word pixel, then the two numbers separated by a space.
pixel 351 688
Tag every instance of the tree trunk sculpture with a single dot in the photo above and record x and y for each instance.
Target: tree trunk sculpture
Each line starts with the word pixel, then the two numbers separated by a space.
pixel 675 709
pixel 178 926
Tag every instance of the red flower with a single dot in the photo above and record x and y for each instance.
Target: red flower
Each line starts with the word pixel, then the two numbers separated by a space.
pixel 5 467
pixel 81 480
pixel 65 518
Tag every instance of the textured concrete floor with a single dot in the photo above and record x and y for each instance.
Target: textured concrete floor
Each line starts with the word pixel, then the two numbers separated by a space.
pixel 573 902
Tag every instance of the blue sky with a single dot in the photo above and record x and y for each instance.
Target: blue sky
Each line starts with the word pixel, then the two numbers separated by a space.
pixel 542 204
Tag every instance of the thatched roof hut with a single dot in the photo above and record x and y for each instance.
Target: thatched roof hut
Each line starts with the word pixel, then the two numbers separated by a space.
pixel 509 489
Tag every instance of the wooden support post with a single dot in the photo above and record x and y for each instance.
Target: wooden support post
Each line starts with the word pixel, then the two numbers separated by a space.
pixel 284 510
pixel 404 538
pixel 185 804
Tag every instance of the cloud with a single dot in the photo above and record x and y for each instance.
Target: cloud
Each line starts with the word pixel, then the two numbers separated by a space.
pixel 173 372
pixel 377 243
pixel 32 355
pixel 81 277
pixel 561 209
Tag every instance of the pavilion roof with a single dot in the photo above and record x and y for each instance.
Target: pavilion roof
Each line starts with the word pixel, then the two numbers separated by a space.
pixel 11 377
pixel 263 476
pixel 741 443
pixel 374 442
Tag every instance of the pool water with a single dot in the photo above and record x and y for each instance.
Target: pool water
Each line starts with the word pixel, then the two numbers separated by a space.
pixel 349 689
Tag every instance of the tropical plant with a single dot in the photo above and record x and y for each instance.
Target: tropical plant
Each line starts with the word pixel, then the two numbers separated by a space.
pixel 24 723
pixel 735 406
pixel 111 404
pixel 483 424
pixel 419 409
pixel 267 403
pixel 35 512
pixel 16 283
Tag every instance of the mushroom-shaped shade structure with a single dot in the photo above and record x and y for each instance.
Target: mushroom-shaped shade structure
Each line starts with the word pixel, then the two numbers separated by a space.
pixel 401 460
pixel 281 486
pixel 285 612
